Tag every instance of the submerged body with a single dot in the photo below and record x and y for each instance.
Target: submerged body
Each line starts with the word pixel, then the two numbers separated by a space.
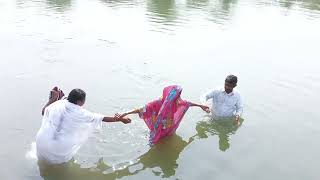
pixel 65 127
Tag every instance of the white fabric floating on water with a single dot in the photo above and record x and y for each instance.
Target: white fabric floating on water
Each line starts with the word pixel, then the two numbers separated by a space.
pixel 65 127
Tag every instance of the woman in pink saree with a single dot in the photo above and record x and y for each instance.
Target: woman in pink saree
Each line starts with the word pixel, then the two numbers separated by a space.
pixel 164 115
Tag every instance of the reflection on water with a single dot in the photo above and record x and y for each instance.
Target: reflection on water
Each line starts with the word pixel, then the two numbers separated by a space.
pixel 161 158
pixel 222 128
pixel 217 11
pixel 310 6
pixel 166 14
pixel 306 4
pixel 59 5
pixel 197 4
pixel 120 3
pixel 222 10
pixel 164 156
pixel 162 11
pixel 70 171
pixel 286 4
pixel 171 12
pixel 28 37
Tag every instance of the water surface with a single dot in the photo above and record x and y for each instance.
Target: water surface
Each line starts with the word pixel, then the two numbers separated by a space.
pixel 123 52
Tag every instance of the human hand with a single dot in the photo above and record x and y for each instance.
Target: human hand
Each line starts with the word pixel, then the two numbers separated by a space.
pixel 119 116
pixel 125 120
pixel 237 120
pixel 206 109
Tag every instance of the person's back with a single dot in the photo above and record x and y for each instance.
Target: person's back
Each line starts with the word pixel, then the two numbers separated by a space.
pixel 65 127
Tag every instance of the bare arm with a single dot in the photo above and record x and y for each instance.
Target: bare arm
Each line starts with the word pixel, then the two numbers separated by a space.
pixel 203 107
pixel 136 111
pixel 116 119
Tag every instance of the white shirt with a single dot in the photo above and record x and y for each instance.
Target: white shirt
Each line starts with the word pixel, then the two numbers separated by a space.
pixel 65 127
pixel 223 104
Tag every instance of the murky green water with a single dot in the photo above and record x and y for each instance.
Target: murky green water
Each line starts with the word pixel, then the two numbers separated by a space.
pixel 124 52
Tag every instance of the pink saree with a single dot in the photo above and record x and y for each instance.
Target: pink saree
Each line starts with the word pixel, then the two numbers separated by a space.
pixel 164 115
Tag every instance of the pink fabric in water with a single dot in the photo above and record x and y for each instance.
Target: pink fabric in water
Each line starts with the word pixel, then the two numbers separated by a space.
pixel 164 115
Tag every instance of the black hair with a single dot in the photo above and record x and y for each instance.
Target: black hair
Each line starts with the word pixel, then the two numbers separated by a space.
pixel 76 95
pixel 232 79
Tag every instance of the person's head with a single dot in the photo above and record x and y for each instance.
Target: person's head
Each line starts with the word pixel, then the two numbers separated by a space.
pixel 77 96
pixel 173 92
pixel 230 83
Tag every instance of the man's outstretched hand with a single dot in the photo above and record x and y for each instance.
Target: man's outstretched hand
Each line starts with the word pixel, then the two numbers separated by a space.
pixel 125 120
pixel 122 118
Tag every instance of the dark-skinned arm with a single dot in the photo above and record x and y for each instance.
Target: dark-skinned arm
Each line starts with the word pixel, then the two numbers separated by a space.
pixel 116 119
pixel 203 107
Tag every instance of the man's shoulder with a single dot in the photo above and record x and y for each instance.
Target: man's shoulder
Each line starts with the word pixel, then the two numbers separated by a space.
pixel 88 113
pixel 218 89
pixel 57 104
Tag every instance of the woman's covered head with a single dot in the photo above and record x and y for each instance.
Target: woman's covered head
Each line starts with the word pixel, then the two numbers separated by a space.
pixel 172 92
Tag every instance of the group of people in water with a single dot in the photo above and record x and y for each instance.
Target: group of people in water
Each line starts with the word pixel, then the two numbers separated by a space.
pixel 66 125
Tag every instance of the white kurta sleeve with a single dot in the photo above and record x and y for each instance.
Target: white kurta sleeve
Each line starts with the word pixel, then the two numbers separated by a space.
pixel 94 118
pixel 209 95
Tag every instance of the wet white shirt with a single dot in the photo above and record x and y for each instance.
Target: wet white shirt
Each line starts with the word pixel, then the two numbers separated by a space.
pixel 65 127
pixel 223 104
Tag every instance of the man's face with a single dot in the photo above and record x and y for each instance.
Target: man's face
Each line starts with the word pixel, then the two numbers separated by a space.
pixel 228 87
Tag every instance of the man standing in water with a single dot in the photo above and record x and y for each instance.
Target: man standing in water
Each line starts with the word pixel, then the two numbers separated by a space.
pixel 66 126
pixel 226 102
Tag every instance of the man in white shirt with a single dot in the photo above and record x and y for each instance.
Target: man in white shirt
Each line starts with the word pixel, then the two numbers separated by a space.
pixel 66 126
pixel 226 102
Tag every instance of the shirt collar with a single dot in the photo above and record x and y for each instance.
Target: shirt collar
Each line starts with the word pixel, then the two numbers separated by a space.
pixel 69 104
pixel 230 94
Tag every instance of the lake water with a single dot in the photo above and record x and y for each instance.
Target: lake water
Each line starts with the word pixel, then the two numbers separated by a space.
pixel 123 52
